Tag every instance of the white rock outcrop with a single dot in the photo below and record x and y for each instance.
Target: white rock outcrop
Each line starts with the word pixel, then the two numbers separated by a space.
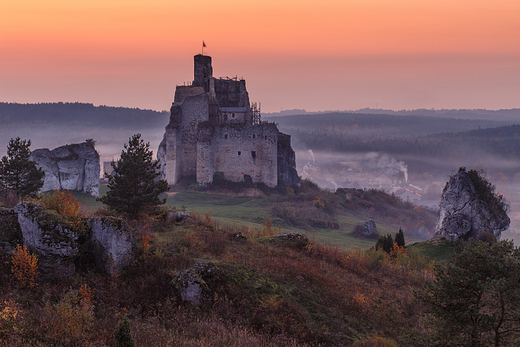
pixel 113 243
pixel 71 167
pixel 59 243
pixel 470 207
pixel 50 236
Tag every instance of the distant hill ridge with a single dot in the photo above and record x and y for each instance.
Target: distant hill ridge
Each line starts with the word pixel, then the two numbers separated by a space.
pixel 81 114
pixel 504 114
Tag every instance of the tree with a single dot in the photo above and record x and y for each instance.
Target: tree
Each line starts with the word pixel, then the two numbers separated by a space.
pixel 475 299
pixel 122 334
pixel 399 238
pixel 385 243
pixel 17 172
pixel 133 186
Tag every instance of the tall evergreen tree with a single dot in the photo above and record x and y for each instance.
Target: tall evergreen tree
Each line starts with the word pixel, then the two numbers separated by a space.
pixel 399 238
pixel 18 173
pixel 122 334
pixel 385 243
pixel 133 186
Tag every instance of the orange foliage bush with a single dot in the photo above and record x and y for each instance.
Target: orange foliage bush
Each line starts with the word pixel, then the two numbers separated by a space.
pixel 70 321
pixel 24 266
pixel 63 202
pixel 10 318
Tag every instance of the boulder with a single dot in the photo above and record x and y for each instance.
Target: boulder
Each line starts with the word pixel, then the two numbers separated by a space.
pixel 469 207
pixel 113 243
pixel 190 283
pixel 72 167
pixel 50 236
pixel 366 229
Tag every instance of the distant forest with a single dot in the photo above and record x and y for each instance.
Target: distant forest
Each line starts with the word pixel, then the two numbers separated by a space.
pixel 83 114
pixel 431 145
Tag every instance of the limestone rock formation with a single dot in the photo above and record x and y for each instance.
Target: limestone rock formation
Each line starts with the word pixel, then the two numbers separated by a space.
pixel 113 243
pixel 470 207
pixel 72 167
pixel 50 236
pixel 58 243
pixel 366 229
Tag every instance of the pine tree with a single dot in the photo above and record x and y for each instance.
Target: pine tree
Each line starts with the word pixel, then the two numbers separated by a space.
pixel 399 238
pixel 133 187
pixel 385 243
pixel 122 334
pixel 18 173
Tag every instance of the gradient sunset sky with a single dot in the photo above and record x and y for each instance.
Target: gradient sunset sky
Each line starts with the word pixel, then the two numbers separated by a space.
pixel 313 55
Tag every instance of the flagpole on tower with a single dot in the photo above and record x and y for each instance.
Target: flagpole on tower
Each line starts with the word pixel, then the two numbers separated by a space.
pixel 203 45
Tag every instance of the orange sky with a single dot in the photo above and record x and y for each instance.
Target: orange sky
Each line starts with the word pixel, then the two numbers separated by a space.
pixel 317 55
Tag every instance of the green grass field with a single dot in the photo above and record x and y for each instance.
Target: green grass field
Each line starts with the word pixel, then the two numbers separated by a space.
pixel 250 212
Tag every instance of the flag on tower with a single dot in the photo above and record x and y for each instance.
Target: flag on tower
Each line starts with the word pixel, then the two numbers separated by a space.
pixel 203 44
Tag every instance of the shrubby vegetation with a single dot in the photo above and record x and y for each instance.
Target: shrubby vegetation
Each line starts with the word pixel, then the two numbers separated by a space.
pixel 262 291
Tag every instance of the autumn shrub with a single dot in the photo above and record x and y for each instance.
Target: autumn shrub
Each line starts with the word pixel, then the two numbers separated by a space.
pixel 24 266
pixel 11 320
pixel 70 321
pixel 65 204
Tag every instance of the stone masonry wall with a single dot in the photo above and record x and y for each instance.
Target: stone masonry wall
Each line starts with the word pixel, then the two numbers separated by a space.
pixel 194 110
pixel 205 156
pixel 245 150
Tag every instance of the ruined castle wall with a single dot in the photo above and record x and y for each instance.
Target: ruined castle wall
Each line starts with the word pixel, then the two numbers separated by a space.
pixel 247 150
pixel 182 92
pixel 168 155
pixel 205 156
pixel 195 109
pixel 287 174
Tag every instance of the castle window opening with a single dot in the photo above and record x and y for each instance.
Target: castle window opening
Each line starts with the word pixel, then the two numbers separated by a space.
pixel 265 137
pixel 253 154
pixel 232 115
pixel 254 136
pixel 226 136
pixel 239 153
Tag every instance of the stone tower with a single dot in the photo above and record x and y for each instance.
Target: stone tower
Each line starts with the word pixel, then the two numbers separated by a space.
pixel 203 71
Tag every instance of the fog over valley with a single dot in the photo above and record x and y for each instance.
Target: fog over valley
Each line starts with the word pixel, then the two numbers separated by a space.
pixel 410 155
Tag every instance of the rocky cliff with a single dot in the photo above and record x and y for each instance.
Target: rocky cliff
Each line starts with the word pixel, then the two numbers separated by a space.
pixel 470 207
pixel 59 243
pixel 71 167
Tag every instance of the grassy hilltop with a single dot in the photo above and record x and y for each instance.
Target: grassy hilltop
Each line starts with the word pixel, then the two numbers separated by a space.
pixel 264 289
pixel 327 217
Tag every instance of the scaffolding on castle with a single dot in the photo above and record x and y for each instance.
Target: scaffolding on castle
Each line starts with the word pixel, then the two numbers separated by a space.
pixel 255 109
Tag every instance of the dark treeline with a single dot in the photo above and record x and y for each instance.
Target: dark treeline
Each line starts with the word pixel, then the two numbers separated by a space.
pixel 80 114
pixel 385 126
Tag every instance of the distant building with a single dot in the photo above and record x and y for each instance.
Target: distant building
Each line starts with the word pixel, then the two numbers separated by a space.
pixel 213 128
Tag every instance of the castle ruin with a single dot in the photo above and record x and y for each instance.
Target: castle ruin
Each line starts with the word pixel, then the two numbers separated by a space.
pixel 214 128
